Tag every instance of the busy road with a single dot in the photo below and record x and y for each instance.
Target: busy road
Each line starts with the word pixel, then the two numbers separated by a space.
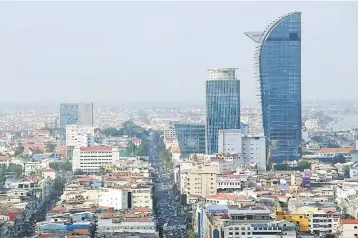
pixel 170 222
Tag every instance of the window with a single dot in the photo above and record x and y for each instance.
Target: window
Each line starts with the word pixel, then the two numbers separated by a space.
pixel 355 227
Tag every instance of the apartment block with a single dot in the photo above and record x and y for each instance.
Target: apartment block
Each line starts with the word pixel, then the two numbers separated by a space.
pixel 91 159
pixel 202 181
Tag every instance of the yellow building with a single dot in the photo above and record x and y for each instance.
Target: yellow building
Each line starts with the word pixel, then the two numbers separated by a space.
pixel 299 219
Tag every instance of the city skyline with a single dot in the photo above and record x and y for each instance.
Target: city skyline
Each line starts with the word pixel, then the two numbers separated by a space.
pixel 136 49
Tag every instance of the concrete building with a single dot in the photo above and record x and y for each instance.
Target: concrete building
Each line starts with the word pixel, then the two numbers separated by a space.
pixel 74 113
pixel 126 198
pixel 312 124
pixel 170 133
pixel 79 135
pixel 91 159
pixel 348 228
pixel 230 141
pixel 252 148
pixel 202 181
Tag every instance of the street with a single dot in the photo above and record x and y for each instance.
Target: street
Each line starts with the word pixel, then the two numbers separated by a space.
pixel 170 222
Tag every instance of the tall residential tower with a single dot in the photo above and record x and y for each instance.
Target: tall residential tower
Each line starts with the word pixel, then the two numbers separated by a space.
pixel 74 114
pixel 222 105
pixel 278 78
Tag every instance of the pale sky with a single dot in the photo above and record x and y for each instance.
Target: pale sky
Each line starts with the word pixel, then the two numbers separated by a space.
pixel 160 51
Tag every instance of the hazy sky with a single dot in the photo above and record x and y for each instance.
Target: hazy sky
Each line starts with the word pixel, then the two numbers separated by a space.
pixel 159 51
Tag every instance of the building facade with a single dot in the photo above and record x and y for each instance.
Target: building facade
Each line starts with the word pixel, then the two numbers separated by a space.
pixel 191 138
pixel 202 181
pixel 74 114
pixel 278 78
pixel 91 159
pixel 222 105
pixel 79 135
pixel 230 141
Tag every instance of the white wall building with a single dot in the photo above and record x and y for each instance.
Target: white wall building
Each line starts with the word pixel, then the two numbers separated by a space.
pixel 312 124
pixel 169 133
pixel 79 135
pixel 114 198
pixel 91 159
pixel 230 141
pixel 32 167
pixel 254 150
pixel 348 228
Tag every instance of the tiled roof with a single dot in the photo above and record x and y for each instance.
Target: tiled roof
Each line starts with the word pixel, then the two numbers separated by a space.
pixel 349 221
pixel 4 158
pixel 96 148
pixel 336 150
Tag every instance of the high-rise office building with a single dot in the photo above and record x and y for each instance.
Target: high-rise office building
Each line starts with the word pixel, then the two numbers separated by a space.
pixel 74 114
pixel 222 105
pixel 191 138
pixel 278 78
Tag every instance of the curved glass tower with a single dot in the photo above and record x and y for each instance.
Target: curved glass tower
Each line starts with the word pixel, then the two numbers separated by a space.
pixel 278 78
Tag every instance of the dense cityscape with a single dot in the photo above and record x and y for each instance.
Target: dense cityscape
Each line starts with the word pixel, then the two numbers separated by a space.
pixel 281 167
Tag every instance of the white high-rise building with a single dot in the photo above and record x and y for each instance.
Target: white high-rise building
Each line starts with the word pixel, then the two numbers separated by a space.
pixel 254 150
pixel 230 141
pixel 79 135
pixel 251 148
pixel 91 159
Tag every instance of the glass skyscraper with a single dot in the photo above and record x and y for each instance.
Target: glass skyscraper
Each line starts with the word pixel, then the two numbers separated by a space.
pixel 222 105
pixel 191 138
pixel 74 114
pixel 278 78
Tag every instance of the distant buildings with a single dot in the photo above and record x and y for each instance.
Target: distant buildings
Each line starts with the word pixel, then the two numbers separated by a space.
pixel 191 138
pixel 278 77
pixel 91 159
pixel 222 105
pixel 74 114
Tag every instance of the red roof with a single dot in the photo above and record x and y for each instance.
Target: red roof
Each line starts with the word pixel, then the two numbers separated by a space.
pixel 96 148
pixel 4 158
pixel 86 179
pixel 48 170
pixel 349 221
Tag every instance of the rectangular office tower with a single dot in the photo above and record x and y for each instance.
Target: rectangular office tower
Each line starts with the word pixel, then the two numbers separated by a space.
pixel 278 77
pixel 191 138
pixel 74 114
pixel 222 105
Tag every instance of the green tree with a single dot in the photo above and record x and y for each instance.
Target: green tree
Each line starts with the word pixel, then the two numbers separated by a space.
pixel 19 151
pixel 66 165
pixel 281 167
pixel 78 172
pixel 339 159
pixel 142 149
pixel 58 185
pixel 302 165
pixel 329 236
pixel 346 170
pixel 54 165
pixel 192 234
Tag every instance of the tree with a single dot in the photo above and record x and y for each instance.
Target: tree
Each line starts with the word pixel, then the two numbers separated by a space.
pixel 142 149
pixel 58 185
pixel 339 159
pixel 192 234
pixel 329 236
pixel 50 147
pixel 281 167
pixel 78 172
pixel 306 152
pixel 66 165
pixel 346 170
pixel 19 150
pixel 54 165
pixel 302 165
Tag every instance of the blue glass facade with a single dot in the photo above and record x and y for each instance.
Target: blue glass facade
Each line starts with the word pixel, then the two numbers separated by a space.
pixel 74 113
pixel 278 72
pixel 222 105
pixel 191 138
